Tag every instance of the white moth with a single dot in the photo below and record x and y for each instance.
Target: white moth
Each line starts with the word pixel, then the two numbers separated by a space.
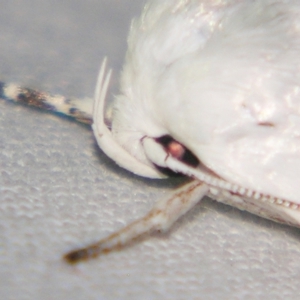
pixel 209 89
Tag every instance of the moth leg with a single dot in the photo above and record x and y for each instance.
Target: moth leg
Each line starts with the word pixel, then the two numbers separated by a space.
pixel 160 218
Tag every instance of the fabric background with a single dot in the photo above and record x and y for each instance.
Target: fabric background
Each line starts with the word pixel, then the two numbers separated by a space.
pixel 58 191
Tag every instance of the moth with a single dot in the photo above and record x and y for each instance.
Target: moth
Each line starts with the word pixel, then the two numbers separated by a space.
pixel 209 89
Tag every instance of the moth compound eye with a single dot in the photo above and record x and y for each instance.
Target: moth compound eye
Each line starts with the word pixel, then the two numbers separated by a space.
pixel 169 156
pixel 177 150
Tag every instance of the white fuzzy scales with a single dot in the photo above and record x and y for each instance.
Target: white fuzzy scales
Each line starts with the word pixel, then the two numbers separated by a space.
pixel 222 78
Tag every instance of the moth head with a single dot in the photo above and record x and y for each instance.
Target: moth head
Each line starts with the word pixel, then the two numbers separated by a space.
pixel 144 155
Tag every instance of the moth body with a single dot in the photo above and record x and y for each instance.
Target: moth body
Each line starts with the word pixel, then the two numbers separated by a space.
pixel 209 89
pixel 221 78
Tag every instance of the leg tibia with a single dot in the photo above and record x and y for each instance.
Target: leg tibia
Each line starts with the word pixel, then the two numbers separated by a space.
pixel 161 218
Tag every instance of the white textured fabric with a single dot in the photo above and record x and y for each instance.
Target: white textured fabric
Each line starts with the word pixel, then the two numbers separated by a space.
pixel 58 191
